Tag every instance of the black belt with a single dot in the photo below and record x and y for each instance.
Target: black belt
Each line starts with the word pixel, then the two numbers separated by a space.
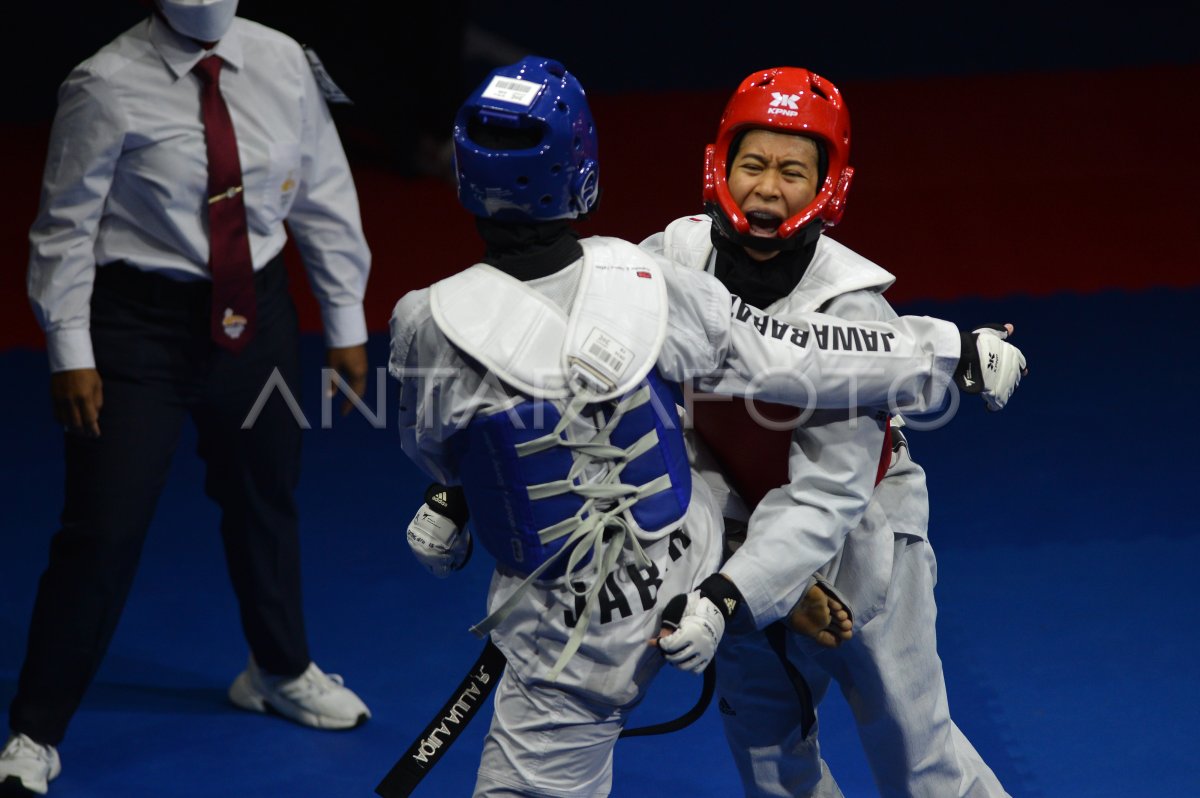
pixel 776 634
pixel 156 288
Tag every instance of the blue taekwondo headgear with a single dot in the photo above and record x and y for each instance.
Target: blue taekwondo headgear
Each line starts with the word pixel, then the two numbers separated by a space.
pixel 525 145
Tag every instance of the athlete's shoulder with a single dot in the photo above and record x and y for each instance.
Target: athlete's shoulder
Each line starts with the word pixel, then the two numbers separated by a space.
pixel 607 249
pixel 411 314
pixel 608 242
pixel 414 303
pixel 842 267
pixel 687 241
pixel 851 286
pixel 688 226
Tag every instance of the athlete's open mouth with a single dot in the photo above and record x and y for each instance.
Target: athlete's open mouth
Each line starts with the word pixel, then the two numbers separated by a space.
pixel 763 223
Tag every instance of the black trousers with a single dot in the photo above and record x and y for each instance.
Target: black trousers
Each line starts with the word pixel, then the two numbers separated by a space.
pixel 151 339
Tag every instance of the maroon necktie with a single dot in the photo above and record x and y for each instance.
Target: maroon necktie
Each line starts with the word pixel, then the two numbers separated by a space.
pixel 229 260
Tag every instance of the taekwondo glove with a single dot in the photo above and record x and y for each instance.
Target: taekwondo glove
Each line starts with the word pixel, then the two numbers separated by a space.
pixel 694 642
pixel 989 365
pixel 437 534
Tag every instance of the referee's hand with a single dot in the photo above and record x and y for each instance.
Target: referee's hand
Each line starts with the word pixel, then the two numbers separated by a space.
pixel 350 363
pixel 77 396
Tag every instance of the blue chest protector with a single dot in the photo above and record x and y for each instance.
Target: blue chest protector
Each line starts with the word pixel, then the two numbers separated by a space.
pixel 585 462
pixel 523 478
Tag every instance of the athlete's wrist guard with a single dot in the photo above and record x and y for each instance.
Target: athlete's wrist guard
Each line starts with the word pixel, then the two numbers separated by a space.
pixel 448 501
pixel 967 375
pixel 724 594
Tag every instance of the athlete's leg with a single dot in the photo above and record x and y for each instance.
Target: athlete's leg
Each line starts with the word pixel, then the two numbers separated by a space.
pixel 770 718
pixel 892 678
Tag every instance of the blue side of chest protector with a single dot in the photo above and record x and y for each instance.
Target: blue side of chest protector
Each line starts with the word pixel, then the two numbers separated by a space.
pixel 496 478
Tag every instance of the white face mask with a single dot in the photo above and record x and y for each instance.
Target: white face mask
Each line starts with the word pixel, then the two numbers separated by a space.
pixel 202 20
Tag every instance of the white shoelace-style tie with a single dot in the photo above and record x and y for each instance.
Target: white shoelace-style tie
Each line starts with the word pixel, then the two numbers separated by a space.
pixel 597 528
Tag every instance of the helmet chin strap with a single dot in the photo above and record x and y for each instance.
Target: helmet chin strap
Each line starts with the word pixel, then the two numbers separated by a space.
pixel 802 238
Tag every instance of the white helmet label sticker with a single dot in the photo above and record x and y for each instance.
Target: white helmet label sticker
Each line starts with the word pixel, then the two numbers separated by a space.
pixel 512 90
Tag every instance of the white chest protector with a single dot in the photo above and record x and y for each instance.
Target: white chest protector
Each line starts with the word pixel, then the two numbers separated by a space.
pixel 590 456
pixel 835 269
pixel 754 456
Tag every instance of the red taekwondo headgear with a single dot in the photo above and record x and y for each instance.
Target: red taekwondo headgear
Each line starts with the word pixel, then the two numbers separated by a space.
pixel 785 100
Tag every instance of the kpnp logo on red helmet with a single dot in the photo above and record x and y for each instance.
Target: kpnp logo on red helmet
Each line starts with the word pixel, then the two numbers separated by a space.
pixel 784 104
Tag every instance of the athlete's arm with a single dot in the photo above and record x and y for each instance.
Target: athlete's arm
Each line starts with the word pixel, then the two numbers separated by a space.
pixel 816 361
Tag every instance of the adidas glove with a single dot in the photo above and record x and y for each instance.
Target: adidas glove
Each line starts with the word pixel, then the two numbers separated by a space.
pixel 694 642
pixel 989 365
pixel 437 534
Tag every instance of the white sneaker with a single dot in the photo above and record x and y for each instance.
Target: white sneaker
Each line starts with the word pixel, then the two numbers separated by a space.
pixel 29 765
pixel 310 699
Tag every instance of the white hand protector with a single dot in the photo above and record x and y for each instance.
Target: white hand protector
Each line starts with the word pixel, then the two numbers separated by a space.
pixel 437 534
pixel 698 631
pixel 990 366
pixel 694 643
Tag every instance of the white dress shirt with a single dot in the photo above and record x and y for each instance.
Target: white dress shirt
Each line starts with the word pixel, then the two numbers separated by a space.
pixel 126 177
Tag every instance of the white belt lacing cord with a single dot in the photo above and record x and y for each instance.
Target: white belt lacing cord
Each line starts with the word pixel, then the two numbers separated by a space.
pixel 585 531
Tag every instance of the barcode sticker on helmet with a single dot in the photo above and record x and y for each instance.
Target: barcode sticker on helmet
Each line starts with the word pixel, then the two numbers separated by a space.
pixel 512 90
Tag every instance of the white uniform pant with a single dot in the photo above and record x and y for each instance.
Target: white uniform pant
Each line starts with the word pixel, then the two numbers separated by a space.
pixel 891 676
pixel 556 739
pixel 546 742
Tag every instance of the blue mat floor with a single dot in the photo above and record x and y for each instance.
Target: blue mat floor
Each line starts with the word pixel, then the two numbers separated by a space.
pixel 1067 547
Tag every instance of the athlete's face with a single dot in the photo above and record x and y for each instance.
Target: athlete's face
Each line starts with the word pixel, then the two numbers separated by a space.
pixel 774 175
